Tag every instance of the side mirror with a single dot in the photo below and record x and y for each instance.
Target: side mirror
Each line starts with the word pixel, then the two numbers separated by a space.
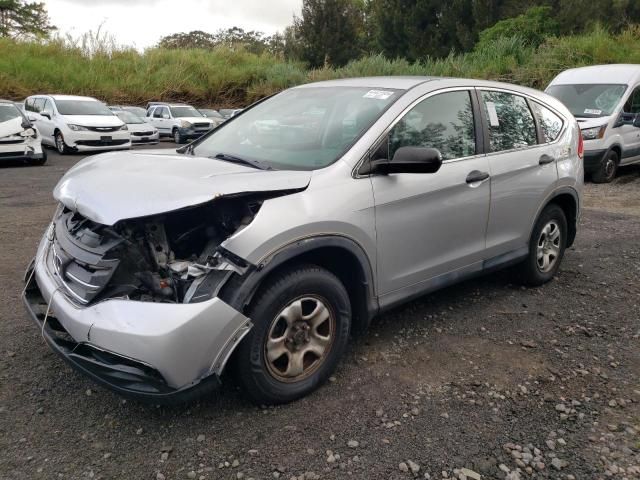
pixel 636 121
pixel 45 115
pixel 409 160
pixel 165 116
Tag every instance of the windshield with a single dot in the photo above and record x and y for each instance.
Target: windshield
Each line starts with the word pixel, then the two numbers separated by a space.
pixel 210 113
pixel 8 111
pixel 589 101
pixel 178 112
pixel 139 111
pixel 82 107
pixel 130 118
pixel 300 129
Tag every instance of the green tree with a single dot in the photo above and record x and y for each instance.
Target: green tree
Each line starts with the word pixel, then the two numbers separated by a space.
pixel 415 29
pixel 330 31
pixel 194 39
pixel 533 27
pixel 22 19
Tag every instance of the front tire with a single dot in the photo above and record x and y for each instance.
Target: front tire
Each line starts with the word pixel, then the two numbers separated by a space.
pixel 61 146
pixel 546 247
pixel 40 161
pixel 302 318
pixel 177 138
pixel 607 170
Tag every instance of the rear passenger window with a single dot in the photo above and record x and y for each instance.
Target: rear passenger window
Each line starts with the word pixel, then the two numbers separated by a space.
pixel 444 121
pixel 550 123
pixel 510 121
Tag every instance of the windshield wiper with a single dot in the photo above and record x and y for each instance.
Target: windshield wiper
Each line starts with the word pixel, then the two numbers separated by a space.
pixel 243 161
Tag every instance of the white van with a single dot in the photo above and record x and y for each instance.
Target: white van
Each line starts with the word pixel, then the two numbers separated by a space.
pixel 77 124
pixel 605 99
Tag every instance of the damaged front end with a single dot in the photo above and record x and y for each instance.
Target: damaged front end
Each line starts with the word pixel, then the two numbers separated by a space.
pixel 173 258
pixel 134 305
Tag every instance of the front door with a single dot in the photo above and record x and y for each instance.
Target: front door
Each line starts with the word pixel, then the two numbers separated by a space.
pixel 430 225
pixel 46 125
pixel 630 133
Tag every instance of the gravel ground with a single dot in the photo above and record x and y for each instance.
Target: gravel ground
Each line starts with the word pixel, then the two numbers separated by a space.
pixel 483 378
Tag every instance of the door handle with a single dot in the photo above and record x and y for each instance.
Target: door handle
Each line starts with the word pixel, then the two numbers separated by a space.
pixel 477 176
pixel 545 159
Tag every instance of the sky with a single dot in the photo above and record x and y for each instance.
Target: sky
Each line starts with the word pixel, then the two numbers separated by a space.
pixel 141 23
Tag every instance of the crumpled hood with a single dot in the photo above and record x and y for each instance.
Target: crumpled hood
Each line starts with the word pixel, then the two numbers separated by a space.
pixel 592 122
pixel 11 127
pixel 115 186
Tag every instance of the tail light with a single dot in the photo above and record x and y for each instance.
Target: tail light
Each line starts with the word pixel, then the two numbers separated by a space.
pixel 580 145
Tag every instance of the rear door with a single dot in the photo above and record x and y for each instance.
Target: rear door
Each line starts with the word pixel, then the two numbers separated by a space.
pixel 430 225
pixel 631 134
pixel 522 164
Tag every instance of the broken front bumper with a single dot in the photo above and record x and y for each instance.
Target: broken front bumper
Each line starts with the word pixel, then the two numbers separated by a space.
pixel 144 349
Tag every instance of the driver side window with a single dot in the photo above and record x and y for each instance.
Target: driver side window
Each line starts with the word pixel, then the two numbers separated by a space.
pixel 444 121
pixel 632 105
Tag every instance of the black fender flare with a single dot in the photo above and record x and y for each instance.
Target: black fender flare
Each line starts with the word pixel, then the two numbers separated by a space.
pixel 240 289
pixel 564 190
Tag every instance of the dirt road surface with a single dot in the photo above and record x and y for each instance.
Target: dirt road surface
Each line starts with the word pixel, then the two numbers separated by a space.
pixel 504 381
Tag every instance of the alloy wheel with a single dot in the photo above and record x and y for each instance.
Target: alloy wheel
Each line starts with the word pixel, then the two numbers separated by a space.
pixel 548 246
pixel 300 338
pixel 60 143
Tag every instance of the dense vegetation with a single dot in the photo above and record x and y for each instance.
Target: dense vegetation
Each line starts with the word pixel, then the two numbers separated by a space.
pixel 224 77
pixel 521 41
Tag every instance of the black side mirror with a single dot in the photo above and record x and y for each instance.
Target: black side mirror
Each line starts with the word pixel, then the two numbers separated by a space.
pixel 409 160
pixel 46 115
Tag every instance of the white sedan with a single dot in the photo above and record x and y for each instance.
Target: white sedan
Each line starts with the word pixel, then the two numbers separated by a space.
pixel 141 130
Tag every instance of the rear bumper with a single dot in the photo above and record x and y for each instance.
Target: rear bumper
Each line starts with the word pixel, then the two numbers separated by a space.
pixel 153 351
pixel 593 160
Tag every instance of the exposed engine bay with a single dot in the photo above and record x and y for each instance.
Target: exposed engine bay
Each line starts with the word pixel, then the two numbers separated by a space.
pixel 174 257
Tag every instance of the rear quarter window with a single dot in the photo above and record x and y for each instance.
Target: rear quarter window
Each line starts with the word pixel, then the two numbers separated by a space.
pixel 550 123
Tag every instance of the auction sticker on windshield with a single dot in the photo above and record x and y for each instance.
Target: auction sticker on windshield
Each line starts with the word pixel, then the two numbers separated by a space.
pixel 592 111
pixel 378 94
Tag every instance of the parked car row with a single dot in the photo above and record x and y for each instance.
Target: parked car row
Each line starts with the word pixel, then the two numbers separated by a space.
pixel 78 124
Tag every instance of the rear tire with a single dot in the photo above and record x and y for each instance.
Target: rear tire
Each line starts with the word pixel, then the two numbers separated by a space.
pixel 302 318
pixel 608 168
pixel 546 247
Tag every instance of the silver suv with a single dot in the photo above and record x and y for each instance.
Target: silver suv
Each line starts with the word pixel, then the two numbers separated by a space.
pixel 264 244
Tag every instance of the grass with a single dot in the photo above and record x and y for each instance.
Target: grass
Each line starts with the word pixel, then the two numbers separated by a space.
pixel 95 65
